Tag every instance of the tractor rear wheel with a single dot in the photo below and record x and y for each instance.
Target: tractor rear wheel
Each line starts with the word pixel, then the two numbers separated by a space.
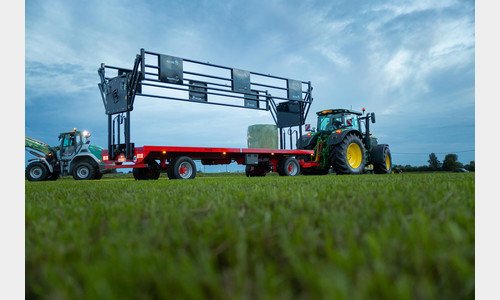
pixel 382 163
pixel 348 157
pixel 288 166
pixel 83 171
pixel 181 167
pixel 36 171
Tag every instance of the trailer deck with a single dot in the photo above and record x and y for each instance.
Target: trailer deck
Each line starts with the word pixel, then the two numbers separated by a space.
pixel 259 161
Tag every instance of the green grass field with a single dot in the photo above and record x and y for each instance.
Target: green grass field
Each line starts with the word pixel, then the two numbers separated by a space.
pixel 398 236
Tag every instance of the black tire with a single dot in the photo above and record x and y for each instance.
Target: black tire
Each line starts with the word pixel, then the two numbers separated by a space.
pixel 256 171
pixel 382 163
pixel 53 176
pixel 170 175
pixel 36 171
pixel 83 171
pixel 152 172
pixel 349 156
pixel 98 175
pixel 139 173
pixel 288 166
pixel 182 167
pixel 315 171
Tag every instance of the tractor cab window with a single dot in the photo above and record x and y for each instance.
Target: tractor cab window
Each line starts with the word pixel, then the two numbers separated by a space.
pixel 351 122
pixel 69 144
pixel 330 122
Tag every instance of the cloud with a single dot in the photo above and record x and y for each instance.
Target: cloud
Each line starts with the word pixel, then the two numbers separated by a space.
pixel 393 57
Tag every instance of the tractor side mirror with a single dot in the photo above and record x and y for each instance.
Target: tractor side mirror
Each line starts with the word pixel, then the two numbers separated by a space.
pixel 373 117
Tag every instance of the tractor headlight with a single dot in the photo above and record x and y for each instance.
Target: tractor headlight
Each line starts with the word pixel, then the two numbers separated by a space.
pixel 86 134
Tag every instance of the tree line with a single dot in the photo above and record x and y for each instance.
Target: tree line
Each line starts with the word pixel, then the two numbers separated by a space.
pixel 449 164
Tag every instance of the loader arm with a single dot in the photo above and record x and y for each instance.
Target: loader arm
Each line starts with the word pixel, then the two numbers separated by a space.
pixel 38 146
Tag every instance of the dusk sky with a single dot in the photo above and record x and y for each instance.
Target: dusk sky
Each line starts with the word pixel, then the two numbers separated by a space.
pixel 410 62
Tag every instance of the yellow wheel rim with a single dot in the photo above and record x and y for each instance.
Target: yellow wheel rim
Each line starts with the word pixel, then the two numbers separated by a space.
pixel 387 162
pixel 354 155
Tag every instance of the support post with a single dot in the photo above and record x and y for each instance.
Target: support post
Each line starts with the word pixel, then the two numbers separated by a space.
pixel 128 151
pixel 110 133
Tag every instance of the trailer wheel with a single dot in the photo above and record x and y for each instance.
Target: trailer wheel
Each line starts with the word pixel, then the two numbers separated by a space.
pixel 315 171
pixel 83 171
pixel 152 172
pixel 255 171
pixel 182 167
pixel 289 167
pixel 36 171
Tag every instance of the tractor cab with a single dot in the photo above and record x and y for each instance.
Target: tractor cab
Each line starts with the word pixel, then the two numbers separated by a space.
pixel 334 119
pixel 71 143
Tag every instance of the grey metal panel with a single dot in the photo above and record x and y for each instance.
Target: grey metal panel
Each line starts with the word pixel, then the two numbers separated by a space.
pixel 171 69
pixel 294 89
pixel 288 114
pixel 241 80
pixel 194 91
pixel 251 159
pixel 252 100
pixel 116 95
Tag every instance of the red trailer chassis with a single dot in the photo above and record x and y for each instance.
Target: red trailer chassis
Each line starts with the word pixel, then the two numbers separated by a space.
pixel 177 161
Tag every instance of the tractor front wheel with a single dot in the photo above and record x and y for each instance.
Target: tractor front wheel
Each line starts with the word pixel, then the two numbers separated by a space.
pixel 36 171
pixel 382 159
pixel 348 157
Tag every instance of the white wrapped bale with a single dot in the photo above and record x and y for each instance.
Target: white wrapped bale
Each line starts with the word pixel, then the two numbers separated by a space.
pixel 262 136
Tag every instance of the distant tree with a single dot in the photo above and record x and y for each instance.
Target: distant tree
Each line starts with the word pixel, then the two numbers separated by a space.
pixel 471 166
pixel 451 162
pixel 434 163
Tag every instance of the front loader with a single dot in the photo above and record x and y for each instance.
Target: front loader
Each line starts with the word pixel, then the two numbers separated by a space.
pixel 341 142
pixel 73 156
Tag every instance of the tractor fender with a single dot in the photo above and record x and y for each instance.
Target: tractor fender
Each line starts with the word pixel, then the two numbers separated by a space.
pixel 85 156
pixel 45 162
pixel 335 138
pixel 307 141
pixel 377 153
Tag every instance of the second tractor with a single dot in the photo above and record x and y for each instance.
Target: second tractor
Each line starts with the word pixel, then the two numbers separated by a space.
pixel 343 142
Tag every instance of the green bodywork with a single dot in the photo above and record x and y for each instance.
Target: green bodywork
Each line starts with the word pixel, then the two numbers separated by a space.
pixel 38 146
pixel 324 150
pixel 96 150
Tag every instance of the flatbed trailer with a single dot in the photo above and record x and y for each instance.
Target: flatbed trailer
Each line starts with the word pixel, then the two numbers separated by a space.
pixel 178 161
pixel 166 77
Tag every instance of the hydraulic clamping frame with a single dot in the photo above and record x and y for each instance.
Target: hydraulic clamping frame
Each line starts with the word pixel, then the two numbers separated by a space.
pixel 168 77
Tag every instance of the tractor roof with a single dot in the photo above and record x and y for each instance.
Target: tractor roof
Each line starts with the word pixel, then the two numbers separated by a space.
pixel 337 111
pixel 74 131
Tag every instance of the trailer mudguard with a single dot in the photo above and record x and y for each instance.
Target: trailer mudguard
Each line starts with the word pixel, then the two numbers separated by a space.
pixel 337 137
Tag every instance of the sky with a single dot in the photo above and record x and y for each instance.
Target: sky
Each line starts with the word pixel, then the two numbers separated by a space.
pixel 410 62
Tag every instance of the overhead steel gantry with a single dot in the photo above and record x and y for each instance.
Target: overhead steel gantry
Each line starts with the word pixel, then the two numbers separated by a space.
pixel 162 76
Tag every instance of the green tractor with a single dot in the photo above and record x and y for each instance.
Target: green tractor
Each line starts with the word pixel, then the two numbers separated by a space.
pixel 342 143
pixel 73 156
